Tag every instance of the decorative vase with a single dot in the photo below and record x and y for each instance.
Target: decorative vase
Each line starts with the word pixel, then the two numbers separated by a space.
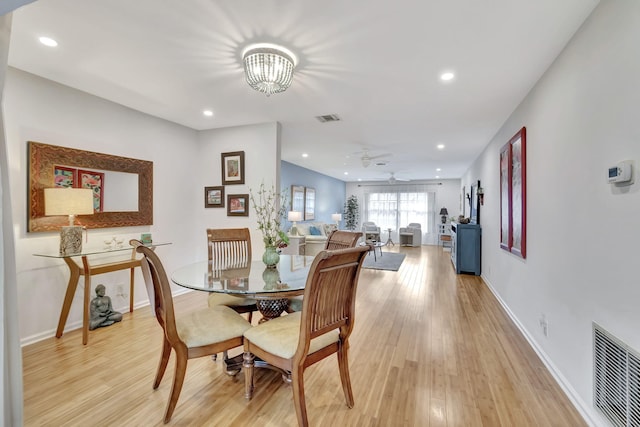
pixel 271 276
pixel 271 257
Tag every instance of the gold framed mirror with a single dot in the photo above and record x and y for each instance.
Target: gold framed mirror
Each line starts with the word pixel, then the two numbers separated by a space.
pixel 46 160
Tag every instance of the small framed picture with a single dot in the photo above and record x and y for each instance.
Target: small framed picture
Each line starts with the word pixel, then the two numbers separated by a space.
pixel 94 181
pixel 233 168
pixel 238 205
pixel 214 197
pixel 64 177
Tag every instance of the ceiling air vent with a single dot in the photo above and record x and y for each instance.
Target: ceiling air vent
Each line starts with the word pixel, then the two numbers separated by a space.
pixel 616 379
pixel 328 118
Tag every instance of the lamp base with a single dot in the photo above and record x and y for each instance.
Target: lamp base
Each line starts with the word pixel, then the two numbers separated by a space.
pixel 443 218
pixel 70 240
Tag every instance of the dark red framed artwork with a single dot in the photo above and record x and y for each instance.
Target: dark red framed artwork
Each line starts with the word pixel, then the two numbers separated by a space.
pixel 513 195
pixel 94 181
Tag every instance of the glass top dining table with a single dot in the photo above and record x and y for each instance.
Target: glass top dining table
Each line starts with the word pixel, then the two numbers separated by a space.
pixel 257 281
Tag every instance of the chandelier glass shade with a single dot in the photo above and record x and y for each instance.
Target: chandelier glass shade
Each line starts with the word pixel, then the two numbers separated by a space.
pixel 268 68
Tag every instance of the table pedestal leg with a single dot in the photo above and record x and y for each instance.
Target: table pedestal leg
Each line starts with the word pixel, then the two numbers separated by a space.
pixel 271 308
pixel 68 296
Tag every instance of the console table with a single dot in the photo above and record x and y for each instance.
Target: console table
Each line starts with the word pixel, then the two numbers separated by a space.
pixel 87 269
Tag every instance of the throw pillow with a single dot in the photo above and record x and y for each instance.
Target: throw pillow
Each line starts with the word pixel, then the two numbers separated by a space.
pixel 329 228
pixel 314 231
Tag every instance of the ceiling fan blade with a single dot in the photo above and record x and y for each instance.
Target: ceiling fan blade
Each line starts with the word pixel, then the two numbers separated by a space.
pixel 380 156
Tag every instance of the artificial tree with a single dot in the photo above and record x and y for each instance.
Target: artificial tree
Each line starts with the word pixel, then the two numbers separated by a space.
pixel 351 213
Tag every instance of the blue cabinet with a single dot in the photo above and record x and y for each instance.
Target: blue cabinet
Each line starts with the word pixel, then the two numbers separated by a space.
pixel 465 248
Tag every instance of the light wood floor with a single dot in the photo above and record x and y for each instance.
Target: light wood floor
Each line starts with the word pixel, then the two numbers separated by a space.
pixel 429 349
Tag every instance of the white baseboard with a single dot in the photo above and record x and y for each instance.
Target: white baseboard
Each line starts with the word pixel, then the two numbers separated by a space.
pixel 70 326
pixel 580 405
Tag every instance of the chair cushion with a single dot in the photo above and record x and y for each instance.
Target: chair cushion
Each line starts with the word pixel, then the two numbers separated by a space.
pixel 229 300
pixel 280 336
pixel 210 325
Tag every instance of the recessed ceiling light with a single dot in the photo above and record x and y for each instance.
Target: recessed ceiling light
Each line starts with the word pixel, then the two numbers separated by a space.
pixel 440 146
pixel 437 176
pixel 359 179
pixel 48 41
pixel 208 113
pixel 305 155
pixel 346 173
pixel 438 169
pixel 447 76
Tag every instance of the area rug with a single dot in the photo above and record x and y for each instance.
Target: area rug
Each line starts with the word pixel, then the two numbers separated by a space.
pixel 388 261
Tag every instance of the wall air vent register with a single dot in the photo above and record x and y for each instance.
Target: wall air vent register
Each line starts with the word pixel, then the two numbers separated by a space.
pixel 616 379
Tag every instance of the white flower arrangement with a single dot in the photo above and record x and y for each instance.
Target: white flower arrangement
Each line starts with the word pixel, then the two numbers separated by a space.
pixel 270 207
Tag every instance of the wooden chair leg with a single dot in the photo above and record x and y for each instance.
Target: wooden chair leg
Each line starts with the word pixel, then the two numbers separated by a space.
pixel 343 364
pixel 247 366
pixel 250 316
pixel 162 366
pixel 297 381
pixel 178 380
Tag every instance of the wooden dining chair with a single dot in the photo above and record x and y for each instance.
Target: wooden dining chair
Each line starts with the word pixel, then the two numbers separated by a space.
pixel 198 333
pixel 230 248
pixel 295 341
pixel 338 239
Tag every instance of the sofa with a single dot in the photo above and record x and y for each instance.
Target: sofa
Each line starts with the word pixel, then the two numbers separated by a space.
pixel 315 235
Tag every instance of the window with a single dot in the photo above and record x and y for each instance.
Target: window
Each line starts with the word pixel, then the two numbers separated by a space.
pixel 395 209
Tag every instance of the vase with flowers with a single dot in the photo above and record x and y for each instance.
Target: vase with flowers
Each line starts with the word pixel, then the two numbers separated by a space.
pixel 270 207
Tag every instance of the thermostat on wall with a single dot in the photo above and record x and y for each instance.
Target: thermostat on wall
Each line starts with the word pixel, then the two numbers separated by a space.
pixel 620 172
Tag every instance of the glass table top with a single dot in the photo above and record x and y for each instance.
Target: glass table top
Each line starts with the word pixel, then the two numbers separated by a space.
pixel 289 277
pixel 97 251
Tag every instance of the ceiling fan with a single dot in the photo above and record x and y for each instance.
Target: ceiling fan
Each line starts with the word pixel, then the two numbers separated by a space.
pixel 392 179
pixel 367 158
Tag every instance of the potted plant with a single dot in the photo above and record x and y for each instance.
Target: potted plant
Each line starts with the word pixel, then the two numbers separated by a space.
pixel 351 213
pixel 270 207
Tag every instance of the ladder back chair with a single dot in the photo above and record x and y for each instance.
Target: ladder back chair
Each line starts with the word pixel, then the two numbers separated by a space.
pixel 229 248
pixel 296 341
pixel 338 239
pixel 198 333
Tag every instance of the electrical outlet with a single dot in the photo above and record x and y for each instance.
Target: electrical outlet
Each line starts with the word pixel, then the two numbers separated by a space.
pixel 544 325
pixel 120 291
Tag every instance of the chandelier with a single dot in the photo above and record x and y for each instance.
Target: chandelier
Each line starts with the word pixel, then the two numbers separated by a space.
pixel 268 68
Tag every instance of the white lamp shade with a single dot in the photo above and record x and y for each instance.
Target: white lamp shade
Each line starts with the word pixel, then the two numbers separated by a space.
pixel 336 217
pixel 294 216
pixel 68 201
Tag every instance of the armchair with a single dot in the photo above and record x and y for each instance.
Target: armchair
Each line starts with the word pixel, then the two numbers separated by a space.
pixel 411 235
pixel 370 231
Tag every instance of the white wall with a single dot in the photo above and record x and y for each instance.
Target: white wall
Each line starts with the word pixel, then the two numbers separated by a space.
pixel 262 152
pixel 582 235
pixel 184 162
pixel 447 194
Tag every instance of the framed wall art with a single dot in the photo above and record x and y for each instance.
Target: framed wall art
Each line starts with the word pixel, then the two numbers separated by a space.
pixel 309 203
pixel 214 197
pixel 513 195
pixel 233 168
pixel 474 213
pixel 64 177
pixel 94 181
pixel 238 205
pixel 297 198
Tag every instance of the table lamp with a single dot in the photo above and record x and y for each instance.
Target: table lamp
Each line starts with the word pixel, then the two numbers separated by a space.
pixel 294 216
pixel 337 218
pixel 72 202
pixel 444 214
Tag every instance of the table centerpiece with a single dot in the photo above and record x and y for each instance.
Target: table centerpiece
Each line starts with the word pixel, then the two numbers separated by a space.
pixel 270 208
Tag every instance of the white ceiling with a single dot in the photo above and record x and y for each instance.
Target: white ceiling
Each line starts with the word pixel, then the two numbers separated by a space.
pixel 374 63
